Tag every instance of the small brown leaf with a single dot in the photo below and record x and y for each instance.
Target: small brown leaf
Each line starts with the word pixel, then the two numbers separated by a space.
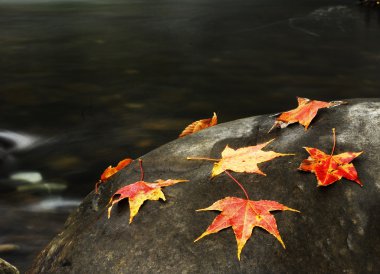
pixel 109 171
pixel 199 125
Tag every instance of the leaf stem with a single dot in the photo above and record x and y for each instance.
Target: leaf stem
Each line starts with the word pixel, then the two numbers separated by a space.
pixel 239 184
pixel 331 157
pixel 142 170
pixel 203 158
pixel 334 139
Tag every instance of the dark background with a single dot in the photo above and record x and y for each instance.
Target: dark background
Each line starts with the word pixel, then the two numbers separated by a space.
pixel 84 84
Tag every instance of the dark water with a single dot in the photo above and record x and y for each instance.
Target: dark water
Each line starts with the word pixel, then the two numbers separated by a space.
pixel 86 83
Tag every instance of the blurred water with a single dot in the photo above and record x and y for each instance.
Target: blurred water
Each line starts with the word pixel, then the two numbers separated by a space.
pixel 86 83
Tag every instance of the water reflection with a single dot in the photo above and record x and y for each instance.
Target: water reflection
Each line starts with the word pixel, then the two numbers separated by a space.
pixel 54 204
pixel 87 83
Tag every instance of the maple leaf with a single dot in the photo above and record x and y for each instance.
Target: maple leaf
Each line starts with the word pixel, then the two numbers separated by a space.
pixel 139 192
pixel 244 159
pixel 243 215
pixel 109 171
pixel 305 112
pixel 330 168
pixel 199 125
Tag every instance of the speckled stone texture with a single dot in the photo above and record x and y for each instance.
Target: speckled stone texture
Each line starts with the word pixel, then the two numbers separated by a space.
pixel 336 232
pixel 7 268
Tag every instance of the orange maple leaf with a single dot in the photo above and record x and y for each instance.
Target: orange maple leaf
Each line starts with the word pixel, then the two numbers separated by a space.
pixel 199 125
pixel 244 159
pixel 243 215
pixel 330 168
pixel 139 192
pixel 305 112
pixel 109 171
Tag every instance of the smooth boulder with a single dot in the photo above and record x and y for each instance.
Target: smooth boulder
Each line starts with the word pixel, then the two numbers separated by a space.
pixel 337 230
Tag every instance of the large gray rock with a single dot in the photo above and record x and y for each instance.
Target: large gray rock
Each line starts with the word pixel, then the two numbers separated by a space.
pixel 336 232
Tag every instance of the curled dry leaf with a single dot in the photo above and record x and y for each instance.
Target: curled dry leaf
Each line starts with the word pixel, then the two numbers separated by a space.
pixel 139 192
pixel 199 125
pixel 109 171
pixel 330 168
pixel 305 112
pixel 244 159
pixel 243 215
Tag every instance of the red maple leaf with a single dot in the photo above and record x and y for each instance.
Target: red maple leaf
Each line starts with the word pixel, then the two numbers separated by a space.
pixel 330 168
pixel 305 112
pixel 139 192
pixel 243 215
pixel 109 171
pixel 199 125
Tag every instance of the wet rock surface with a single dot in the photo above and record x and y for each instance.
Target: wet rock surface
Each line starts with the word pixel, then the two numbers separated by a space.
pixel 337 230
pixel 7 268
